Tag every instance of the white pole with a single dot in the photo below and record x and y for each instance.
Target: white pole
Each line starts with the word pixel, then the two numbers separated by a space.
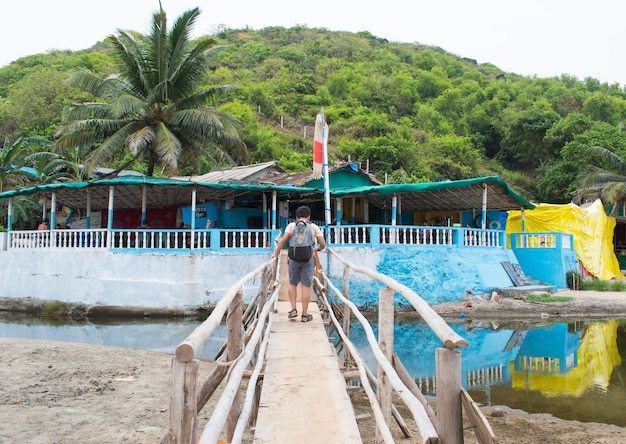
pixel 274 198
pixel 144 203
pixel 194 197
pixel 484 224
pixel 325 171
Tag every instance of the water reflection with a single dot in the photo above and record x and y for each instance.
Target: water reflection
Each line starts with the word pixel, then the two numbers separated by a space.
pixel 158 335
pixel 572 370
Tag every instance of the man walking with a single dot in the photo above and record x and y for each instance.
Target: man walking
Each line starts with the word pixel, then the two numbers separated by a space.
pixel 302 235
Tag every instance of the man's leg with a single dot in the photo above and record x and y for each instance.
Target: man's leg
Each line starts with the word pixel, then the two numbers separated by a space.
pixel 306 277
pixel 306 296
pixel 293 286
pixel 293 295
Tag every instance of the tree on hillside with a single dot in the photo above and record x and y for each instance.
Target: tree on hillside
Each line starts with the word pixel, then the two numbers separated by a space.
pixel 13 170
pixel 14 173
pixel 158 106
pixel 608 183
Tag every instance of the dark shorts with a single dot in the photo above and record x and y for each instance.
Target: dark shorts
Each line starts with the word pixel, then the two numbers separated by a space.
pixel 301 272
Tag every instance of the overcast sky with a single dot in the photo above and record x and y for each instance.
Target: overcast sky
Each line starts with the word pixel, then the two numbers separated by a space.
pixel 532 37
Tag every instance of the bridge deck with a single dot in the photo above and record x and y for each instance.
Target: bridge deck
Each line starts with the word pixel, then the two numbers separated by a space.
pixel 304 397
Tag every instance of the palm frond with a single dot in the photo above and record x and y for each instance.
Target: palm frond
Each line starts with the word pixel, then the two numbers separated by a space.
pixel 158 51
pixel 111 145
pixel 140 140
pixel 127 106
pixel 201 98
pixel 178 38
pixel 128 54
pixel 166 145
pixel 612 159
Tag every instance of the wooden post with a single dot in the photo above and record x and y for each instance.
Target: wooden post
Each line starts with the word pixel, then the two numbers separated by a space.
pixel 449 411
pixel 346 315
pixel 234 348
pixel 384 390
pixel 183 409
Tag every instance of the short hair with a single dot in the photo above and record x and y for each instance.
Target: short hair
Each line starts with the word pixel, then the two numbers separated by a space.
pixel 303 211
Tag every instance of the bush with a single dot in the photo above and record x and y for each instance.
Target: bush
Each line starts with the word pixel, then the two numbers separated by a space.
pixel 574 280
pixel 600 285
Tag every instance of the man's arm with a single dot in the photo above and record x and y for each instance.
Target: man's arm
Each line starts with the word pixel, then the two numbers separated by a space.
pixel 281 244
pixel 321 241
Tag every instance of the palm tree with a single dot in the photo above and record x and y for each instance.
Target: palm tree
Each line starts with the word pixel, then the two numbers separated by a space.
pixel 607 183
pixel 157 107
pixel 14 173
pixel 13 170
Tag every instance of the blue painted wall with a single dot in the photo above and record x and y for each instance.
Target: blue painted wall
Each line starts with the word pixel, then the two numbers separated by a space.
pixel 548 265
pixel 437 274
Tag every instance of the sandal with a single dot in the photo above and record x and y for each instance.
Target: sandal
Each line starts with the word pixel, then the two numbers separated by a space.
pixel 306 317
pixel 292 314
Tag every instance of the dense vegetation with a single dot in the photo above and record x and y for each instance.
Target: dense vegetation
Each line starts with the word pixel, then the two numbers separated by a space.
pixel 408 111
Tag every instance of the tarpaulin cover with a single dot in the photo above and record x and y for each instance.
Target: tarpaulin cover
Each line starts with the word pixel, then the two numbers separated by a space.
pixel 591 227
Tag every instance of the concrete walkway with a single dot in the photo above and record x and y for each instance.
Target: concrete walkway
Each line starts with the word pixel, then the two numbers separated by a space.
pixel 304 397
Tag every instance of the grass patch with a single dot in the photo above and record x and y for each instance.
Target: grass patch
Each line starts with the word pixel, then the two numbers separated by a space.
pixel 55 309
pixel 545 297
pixel 599 285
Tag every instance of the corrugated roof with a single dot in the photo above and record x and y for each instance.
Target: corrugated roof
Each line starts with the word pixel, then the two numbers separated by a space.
pixel 246 173
pixel 302 178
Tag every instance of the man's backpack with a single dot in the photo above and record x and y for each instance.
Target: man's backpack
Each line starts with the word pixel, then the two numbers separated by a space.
pixel 301 242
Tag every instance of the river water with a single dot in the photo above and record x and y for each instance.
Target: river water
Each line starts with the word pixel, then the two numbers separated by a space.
pixel 574 370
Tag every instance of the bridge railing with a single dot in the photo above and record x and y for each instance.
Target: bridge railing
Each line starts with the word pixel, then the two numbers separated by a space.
pixel 246 344
pixel 247 337
pixel 447 425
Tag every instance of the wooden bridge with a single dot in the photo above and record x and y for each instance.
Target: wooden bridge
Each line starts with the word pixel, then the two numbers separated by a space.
pixel 296 387
pixel 304 397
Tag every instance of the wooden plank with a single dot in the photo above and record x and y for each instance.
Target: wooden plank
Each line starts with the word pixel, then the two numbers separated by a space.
pixel 482 428
pixel 235 347
pixel 408 380
pixel 449 410
pixel 384 389
pixel 183 401
pixel 304 397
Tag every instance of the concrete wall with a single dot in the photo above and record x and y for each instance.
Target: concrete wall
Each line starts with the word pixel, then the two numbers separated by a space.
pixel 437 274
pixel 140 280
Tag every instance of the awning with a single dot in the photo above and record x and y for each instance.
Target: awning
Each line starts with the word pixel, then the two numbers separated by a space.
pixel 162 193
pixel 455 195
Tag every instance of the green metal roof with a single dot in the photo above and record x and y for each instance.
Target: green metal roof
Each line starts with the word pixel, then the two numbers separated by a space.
pixel 162 193
pixel 444 196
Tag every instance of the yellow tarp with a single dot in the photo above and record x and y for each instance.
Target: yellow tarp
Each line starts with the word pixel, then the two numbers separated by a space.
pixel 591 227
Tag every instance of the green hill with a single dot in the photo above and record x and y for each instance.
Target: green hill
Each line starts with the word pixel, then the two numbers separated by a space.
pixel 409 111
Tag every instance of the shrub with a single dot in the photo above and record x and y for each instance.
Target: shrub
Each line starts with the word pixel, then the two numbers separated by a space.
pixel 574 280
